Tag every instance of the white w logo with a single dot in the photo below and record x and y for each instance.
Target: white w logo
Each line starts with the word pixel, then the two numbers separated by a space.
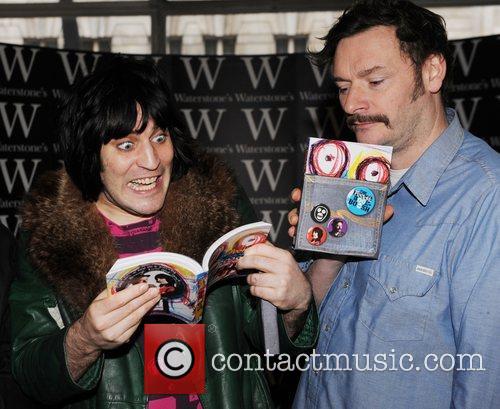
pixel 319 74
pixel 17 61
pixel 264 170
pixel 265 118
pixel 465 119
pixel 4 221
pixel 203 68
pixel 329 118
pixel 266 216
pixel 465 63
pixel 18 115
pixel 272 77
pixel 204 120
pixel 80 65
pixel 19 171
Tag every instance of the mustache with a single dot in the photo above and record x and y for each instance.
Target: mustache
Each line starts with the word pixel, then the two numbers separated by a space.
pixel 353 119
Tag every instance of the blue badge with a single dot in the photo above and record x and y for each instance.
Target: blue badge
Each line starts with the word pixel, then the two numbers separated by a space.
pixel 360 201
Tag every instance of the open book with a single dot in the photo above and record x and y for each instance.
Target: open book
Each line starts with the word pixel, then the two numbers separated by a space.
pixel 183 281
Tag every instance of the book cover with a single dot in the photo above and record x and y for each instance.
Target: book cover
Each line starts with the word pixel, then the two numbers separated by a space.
pixel 348 160
pixel 183 282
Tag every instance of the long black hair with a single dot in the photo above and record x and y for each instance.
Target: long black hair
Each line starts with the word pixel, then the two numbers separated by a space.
pixel 103 106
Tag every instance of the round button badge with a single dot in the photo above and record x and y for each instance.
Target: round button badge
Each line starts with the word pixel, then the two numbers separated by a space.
pixel 316 235
pixel 337 227
pixel 320 213
pixel 360 201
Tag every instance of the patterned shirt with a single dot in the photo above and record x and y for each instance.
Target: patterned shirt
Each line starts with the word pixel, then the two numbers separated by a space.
pixel 138 238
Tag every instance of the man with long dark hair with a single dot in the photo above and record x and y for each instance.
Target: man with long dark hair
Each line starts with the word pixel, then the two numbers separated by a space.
pixel 418 326
pixel 133 183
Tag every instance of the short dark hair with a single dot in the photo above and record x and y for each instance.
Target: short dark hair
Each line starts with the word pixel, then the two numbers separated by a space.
pixel 103 106
pixel 420 32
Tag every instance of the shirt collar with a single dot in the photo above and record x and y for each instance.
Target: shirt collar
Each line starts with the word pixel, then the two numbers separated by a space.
pixel 423 176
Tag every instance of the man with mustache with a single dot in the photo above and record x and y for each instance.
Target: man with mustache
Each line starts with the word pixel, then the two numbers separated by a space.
pixel 418 326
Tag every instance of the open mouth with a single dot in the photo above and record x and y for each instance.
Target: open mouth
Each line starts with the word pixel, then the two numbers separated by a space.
pixel 143 184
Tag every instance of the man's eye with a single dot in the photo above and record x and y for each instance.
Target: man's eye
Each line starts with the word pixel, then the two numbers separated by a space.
pixel 160 138
pixel 125 146
pixel 376 82
pixel 342 90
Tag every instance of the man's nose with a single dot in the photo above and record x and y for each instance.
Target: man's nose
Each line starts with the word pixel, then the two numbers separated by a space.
pixel 355 101
pixel 148 157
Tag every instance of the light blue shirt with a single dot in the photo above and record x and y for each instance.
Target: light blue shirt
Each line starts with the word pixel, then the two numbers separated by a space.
pixel 434 289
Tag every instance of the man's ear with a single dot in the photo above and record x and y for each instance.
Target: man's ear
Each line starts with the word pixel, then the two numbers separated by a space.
pixel 433 72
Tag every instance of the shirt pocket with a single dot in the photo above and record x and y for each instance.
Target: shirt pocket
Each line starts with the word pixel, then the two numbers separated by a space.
pixel 397 299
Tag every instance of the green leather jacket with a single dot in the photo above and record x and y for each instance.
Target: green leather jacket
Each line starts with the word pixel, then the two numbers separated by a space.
pixel 116 379
pixel 42 313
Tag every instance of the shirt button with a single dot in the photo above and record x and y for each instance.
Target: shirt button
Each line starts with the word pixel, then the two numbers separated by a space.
pixel 346 284
pixel 327 327
pixel 392 290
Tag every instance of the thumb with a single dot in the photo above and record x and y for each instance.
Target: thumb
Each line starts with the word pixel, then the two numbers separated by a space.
pixel 389 212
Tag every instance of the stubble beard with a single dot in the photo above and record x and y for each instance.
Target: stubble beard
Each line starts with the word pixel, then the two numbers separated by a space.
pixel 408 136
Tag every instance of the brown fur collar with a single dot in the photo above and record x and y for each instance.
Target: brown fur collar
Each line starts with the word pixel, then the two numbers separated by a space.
pixel 71 246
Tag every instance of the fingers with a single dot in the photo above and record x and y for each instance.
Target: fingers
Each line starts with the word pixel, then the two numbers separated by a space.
pixel 265 293
pixel 389 212
pixel 285 290
pixel 293 217
pixel 125 337
pixel 296 195
pixel 121 298
pixel 265 257
pixel 262 280
pixel 281 282
pixel 118 332
pixel 136 304
pixel 108 318
pixel 264 249
pixel 265 264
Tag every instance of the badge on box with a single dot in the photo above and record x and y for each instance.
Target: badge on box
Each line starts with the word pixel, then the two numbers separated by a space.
pixel 343 198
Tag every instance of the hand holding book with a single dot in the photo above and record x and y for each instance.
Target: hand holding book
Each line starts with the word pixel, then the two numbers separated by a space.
pixel 182 281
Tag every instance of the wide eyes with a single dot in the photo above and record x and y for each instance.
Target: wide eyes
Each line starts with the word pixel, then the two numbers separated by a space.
pixel 159 138
pixel 125 146
pixel 128 145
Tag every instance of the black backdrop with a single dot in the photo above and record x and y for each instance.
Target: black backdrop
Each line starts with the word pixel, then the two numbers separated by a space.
pixel 255 111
